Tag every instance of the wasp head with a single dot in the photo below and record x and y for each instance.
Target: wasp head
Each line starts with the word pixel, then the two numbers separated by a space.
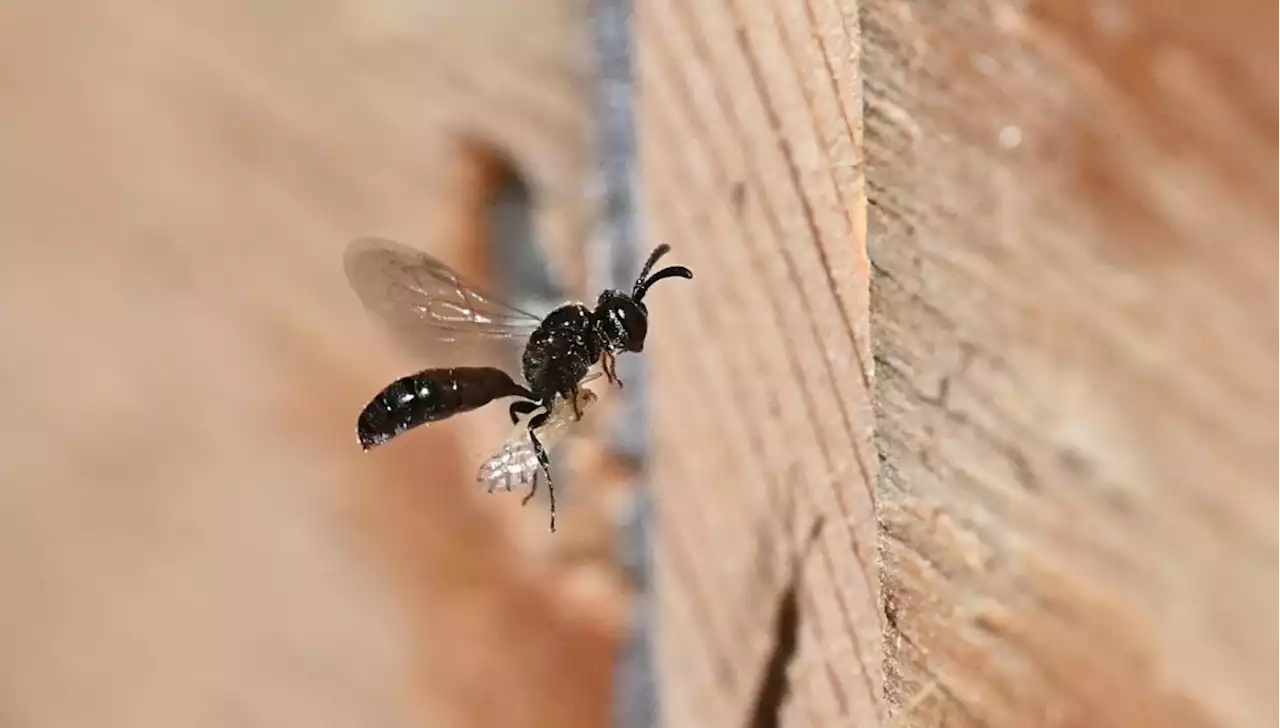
pixel 622 320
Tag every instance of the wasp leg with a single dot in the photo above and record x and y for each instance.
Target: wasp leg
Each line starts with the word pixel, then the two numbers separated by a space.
pixel 572 396
pixel 522 407
pixel 545 462
pixel 609 362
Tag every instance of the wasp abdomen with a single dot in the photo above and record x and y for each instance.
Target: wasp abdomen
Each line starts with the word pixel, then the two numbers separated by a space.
pixel 429 396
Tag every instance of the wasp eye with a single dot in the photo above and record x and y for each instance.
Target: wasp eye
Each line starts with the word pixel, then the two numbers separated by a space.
pixel 636 326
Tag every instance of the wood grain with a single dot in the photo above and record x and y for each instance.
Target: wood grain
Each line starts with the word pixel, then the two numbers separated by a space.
pixel 749 135
pixel 1073 233
pixel 191 535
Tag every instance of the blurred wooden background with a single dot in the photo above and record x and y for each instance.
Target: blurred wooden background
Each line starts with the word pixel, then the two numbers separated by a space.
pixel 191 533
pixel 1031 245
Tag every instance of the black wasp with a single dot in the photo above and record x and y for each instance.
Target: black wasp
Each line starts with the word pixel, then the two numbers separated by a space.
pixel 429 305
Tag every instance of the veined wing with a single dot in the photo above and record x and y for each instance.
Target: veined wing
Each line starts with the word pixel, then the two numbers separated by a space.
pixel 427 305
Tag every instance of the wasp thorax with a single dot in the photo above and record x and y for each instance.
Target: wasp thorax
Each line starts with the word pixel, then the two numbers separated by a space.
pixel 621 322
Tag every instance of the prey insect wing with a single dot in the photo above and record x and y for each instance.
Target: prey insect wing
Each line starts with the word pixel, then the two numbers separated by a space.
pixel 426 304
pixel 516 464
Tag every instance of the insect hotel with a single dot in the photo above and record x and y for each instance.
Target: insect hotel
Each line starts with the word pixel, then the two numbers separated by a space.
pixel 965 417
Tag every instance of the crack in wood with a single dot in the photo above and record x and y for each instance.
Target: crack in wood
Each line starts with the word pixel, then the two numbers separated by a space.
pixel 774 687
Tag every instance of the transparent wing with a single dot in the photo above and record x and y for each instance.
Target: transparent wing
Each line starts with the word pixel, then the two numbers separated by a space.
pixel 426 304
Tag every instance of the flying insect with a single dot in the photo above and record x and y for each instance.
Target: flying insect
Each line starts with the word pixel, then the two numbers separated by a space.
pixel 426 302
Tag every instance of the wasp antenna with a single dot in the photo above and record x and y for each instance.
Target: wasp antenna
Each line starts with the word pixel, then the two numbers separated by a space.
pixel 673 271
pixel 658 252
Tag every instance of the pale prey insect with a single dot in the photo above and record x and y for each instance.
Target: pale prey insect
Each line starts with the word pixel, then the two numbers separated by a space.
pixel 516 464
pixel 428 304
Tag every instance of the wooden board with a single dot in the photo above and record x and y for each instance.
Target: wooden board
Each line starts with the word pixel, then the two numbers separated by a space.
pixel 1073 241
pixel 191 534
pixel 749 131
